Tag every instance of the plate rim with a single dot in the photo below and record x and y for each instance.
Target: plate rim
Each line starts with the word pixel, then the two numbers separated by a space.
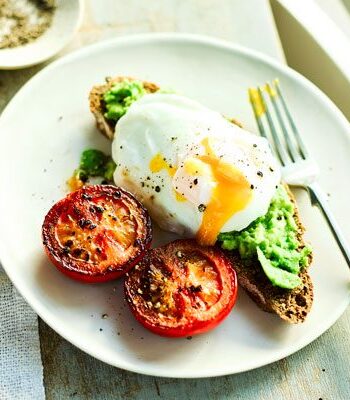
pixel 195 39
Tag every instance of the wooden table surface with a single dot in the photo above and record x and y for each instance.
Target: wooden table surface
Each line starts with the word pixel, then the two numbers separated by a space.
pixel 319 371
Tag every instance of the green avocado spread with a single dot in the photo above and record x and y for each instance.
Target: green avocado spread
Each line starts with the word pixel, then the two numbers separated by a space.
pixel 96 163
pixel 120 97
pixel 273 239
pixel 93 163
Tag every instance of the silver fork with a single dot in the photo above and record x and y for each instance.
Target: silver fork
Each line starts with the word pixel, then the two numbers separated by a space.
pixel 298 167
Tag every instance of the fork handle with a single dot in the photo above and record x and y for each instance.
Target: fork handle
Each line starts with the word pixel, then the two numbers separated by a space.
pixel 318 198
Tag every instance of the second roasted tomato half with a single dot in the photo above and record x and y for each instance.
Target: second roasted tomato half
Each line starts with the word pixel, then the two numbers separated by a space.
pixel 181 289
pixel 97 233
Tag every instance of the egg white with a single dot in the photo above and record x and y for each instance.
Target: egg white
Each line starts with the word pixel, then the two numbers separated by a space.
pixel 173 127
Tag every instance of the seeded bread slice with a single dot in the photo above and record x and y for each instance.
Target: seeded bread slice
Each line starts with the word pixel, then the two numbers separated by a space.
pixel 293 305
pixel 97 106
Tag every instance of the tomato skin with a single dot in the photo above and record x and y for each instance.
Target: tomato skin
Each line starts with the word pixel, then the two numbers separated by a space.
pixel 90 213
pixel 184 320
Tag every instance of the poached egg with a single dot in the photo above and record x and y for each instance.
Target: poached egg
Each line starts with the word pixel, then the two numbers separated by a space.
pixel 195 172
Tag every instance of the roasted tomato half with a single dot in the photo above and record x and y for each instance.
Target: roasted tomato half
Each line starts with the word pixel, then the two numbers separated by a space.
pixel 97 233
pixel 181 289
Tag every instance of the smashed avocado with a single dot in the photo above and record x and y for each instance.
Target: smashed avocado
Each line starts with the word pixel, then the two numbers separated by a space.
pixel 120 97
pixel 275 234
pixel 278 276
pixel 96 163
pixel 93 163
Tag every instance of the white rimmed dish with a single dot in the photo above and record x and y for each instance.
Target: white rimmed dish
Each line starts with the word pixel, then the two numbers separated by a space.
pixel 65 22
pixel 47 125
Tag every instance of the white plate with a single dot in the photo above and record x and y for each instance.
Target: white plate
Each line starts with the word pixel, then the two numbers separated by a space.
pixel 48 124
pixel 66 20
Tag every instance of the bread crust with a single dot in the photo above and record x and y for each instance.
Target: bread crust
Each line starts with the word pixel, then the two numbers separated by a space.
pixel 293 305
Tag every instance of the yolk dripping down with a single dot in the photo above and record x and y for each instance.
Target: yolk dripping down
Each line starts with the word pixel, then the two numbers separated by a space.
pixel 157 164
pixel 231 194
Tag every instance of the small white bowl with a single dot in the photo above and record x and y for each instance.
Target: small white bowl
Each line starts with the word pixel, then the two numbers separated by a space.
pixel 66 21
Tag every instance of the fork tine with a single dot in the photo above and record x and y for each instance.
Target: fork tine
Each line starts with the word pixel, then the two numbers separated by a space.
pixel 297 136
pixel 258 110
pixel 283 155
pixel 274 97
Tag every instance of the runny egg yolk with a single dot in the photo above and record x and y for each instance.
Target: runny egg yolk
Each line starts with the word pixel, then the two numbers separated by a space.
pixel 231 194
pixel 157 164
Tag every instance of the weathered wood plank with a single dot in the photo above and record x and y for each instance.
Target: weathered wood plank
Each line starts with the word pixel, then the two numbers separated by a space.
pixel 319 371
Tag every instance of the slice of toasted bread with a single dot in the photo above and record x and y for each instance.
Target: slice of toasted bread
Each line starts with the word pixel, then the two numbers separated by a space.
pixel 97 106
pixel 291 305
